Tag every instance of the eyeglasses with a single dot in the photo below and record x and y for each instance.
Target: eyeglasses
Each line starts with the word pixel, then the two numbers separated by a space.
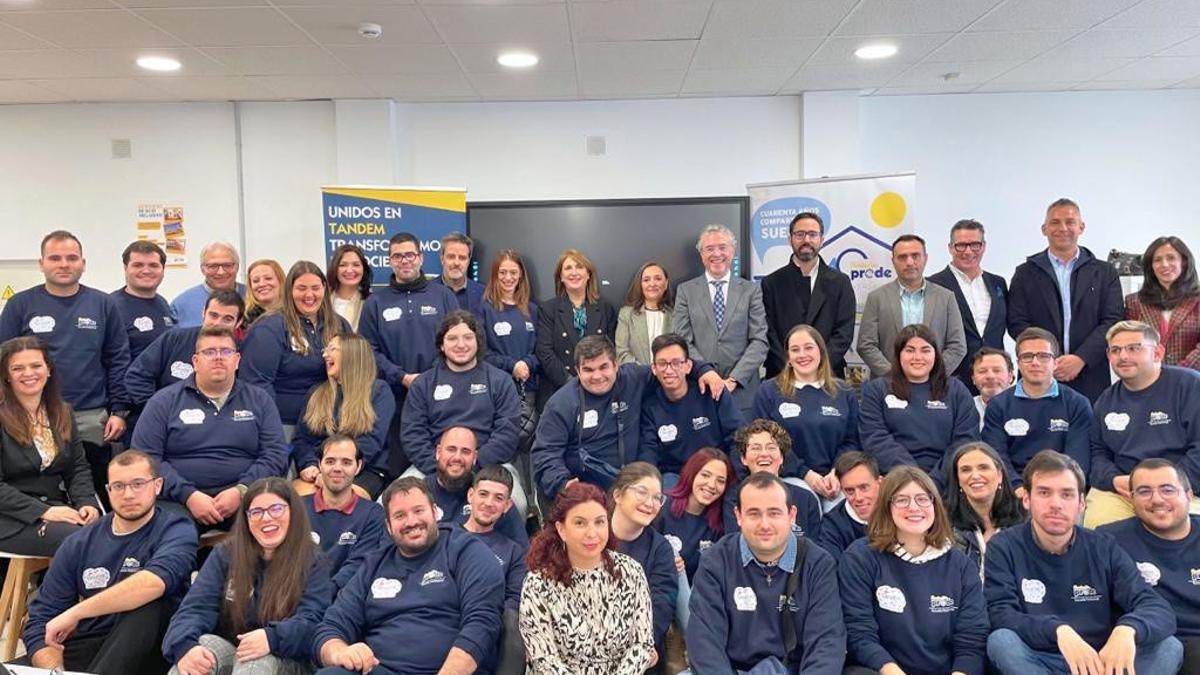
pixel 1166 491
pixel 1030 357
pixel 408 256
pixel 962 246
pixel 643 495
pixel 806 234
pixel 136 485
pixel 214 352
pixel 220 267
pixel 275 510
pixel 923 500
pixel 677 364
pixel 1133 349
pixel 717 248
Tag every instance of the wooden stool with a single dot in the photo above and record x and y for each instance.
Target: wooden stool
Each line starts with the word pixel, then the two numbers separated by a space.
pixel 21 569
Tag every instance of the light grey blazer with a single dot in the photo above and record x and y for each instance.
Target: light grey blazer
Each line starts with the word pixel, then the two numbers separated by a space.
pixel 632 338
pixel 739 350
pixel 882 320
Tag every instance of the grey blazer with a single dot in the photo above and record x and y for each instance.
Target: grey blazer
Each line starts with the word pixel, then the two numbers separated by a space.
pixel 739 350
pixel 882 319
pixel 633 340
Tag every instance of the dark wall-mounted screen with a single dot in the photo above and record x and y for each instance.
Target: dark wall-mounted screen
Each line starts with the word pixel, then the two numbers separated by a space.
pixel 617 235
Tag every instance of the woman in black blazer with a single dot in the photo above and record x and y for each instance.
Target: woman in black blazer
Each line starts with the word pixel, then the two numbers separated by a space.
pixel 46 488
pixel 575 311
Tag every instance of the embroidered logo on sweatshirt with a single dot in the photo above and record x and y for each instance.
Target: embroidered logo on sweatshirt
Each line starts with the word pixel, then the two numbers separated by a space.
pixel 941 604
pixel 1059 425
pixel 1150 572
pixel 1033 590
pixel 392 313
pixel 144 324
pixel 935 405
pixel 529 327
pixel 433 577
pixel 668 433
pixel 893 401
pixel 1159 418
pixel 1195 580
pixel 502 328
pixel 181 370
pixel 85 323
pixel 477 388
pixel 41 324
pixel 130 566
pixel 1017 426
pixel 347 539
pixel 428 310
pixel 1084 593
pixel 891 598
pixel 705 544
pixel 830 411
pixel 384 588
pixel 1116 421
pixel 788 410
pixel 442 392
pixel 243 415
pixel 699 423
pixel 95 577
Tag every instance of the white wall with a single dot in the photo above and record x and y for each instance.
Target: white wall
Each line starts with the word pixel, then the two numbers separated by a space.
pixel 1130 159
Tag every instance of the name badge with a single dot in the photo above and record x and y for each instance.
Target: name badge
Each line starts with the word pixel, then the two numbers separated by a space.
pixel 590 419
pixel 668 433
pixel 892 401
pixel 1016 427
pixel 144 324
pixel 385 589
pixel 745 599
pixel 788 410
pixel 502 328
pixel 442 392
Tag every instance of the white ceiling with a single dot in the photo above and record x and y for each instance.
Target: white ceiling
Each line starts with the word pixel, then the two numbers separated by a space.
pixel 445 50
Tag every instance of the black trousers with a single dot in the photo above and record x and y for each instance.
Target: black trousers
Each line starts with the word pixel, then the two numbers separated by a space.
pixel 1191 655
pixel 39 538
pixel 133 645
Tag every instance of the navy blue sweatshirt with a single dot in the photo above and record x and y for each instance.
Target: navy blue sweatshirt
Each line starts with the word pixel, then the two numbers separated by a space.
pixel 735 607
pixel 602 426
pixel 86 337
pixel 483 399
pixel 144 319
pixel 808 511
pixel 272 361
pixel 165 361
pixel 839 529
pixel 1093 588
pixel 400 325
pixel 511 557
pixel 469 297
pixel 822 427
pixel 306 444
pixel 1170 567
pixel 453 509
pixel 412 611
pixel 511 337
pixel 927 618
pixel 199 447
pixel 202 611
pixel 918 431
pixel 347 539
pixel 94 560
pixel 688 535
pixel 1162 420
pixel 657 558
pixel 673 430
pixel 1019 427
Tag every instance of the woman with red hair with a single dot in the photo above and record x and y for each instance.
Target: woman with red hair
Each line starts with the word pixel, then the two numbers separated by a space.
pixel 585 608
pixel 691 519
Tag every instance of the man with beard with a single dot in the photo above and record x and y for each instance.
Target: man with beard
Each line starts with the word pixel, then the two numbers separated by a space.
pixel 1062 598
pixel 346 527
pixel 1164 542
pixel 489 501
pixel 462 390
pixel 858 474
pixel 808 291
pixel 449 485
pixel 109 593
pixel 991 373
pixel 429 603
pixel 400 321
pixel 456 261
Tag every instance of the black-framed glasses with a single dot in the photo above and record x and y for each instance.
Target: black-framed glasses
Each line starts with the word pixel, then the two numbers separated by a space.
pixel 1030 357
pixel 675 364
pixel 403 257
pixel 138 486
pixel 962 246
pixel 275 511
pixel 806 234
pixel 214 352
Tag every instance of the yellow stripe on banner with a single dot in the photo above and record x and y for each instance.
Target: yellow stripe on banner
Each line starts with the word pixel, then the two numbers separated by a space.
pixel 434 199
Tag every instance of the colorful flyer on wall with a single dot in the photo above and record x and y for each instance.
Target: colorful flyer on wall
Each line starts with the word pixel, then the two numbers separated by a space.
pixel 163 225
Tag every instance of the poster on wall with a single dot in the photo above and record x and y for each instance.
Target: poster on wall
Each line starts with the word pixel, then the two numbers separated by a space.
pixel 368 216
pixel 862 216
pixel 163 224
pixel 17 275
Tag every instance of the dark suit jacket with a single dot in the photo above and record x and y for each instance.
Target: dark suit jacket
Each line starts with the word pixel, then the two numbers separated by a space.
pixel 26 491
pixel 831 309
pixel 556 338
pixel 1096 304
pixel 993 332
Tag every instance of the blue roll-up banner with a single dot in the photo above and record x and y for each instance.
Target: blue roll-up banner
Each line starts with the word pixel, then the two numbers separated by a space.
pixel 863 215
pixel 368 216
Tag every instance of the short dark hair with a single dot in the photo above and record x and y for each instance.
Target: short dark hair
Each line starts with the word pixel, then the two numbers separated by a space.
pixel 470 320
pixel 967 224
pixel 405 237
pixel 1161 463
pixel 669 340
pixel 334 439
pixel 848 461
pixel 762 480
pixel 143 246
pixel 217 332
pixel 1035 333
pixel 404 485
pixel 1051 461
pixel 991 351
pixel 593 346
pixel 131 457
pixel 458 238
pixel 59 235
pixel 803 215
pixel 229 298
pixel 496 474
pixel 909 237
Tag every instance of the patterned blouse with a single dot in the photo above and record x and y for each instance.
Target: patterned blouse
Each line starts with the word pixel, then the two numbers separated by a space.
pixel 597 626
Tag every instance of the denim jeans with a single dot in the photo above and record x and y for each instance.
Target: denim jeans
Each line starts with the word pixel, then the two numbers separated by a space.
pixel 1011 656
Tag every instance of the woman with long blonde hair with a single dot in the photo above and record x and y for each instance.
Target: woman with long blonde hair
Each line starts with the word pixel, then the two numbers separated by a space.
pixel 264 288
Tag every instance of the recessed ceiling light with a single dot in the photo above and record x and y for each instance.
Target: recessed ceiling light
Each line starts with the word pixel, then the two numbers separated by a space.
pixel 876 51
pixel 163 64
pixel 517 59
